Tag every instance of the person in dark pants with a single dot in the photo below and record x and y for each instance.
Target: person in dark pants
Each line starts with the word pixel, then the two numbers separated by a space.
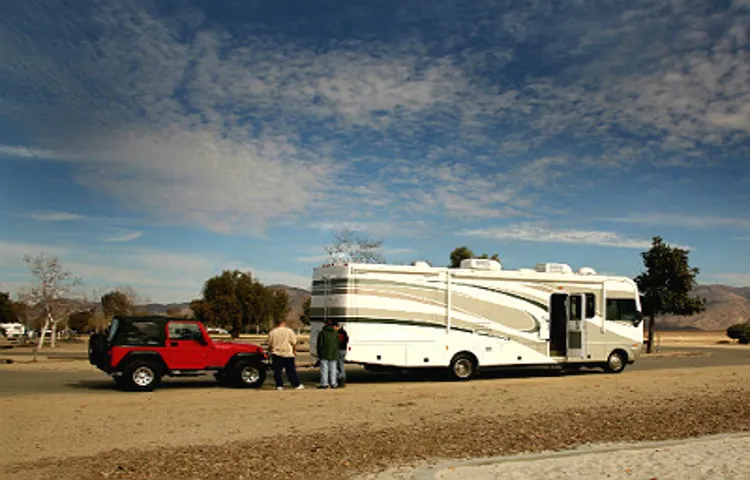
pixel 343 345
pixel 282 344
pixel 328 354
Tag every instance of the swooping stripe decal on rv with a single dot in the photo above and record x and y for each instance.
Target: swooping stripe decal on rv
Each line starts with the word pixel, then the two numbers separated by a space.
pixel 393 321
pixel 342 283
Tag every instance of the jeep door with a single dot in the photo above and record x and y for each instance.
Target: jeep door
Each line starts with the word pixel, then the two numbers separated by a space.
pixel 186 348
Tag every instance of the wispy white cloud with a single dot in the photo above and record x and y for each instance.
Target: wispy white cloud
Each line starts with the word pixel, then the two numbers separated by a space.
pixel 234 130
pixel 125 237
pixel 161 276
pixel 16 151
pixel 536 233
pixel 685 220
pixel 56 216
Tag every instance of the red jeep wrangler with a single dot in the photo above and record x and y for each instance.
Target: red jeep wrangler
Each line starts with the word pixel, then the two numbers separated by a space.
pixel 138 351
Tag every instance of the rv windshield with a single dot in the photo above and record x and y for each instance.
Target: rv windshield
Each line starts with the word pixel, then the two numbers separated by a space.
pixel 622 309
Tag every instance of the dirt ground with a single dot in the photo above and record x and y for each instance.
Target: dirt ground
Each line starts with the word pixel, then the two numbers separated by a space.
pixel 695 338
pixel 212 433
pixel 364 428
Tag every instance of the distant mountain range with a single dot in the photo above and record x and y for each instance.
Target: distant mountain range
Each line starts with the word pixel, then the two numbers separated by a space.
pixel 725 306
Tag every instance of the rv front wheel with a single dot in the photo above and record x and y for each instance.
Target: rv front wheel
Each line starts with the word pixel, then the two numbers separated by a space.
pixel 615 362
pixel 464 366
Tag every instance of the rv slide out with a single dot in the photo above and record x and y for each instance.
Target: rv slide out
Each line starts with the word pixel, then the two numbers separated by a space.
pixel 479 315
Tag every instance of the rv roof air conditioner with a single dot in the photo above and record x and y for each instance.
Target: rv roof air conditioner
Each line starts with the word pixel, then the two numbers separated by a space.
pixel 481 264
pixel 553 268
pixel 421 264
pixel 586 271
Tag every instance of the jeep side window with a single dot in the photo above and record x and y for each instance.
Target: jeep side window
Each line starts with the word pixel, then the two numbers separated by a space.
pixel 139 333
pixel 184 331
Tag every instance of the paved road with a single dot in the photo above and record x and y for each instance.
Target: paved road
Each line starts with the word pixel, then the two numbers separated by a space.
pixel 44 382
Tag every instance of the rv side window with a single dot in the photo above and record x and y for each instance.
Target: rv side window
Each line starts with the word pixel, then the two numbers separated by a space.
pixel 621 309
pixel 590 305
pixel 575 307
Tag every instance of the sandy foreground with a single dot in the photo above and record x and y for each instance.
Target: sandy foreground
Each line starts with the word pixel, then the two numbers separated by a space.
pixel 364 428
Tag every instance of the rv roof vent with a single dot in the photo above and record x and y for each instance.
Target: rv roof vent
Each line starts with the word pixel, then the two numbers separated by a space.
pixel 526 270
pixel 481 264
pixel 586 271
pixel 553 268
pixel 421 264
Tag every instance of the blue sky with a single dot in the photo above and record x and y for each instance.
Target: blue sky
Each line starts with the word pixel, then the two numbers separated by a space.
pixel 153 144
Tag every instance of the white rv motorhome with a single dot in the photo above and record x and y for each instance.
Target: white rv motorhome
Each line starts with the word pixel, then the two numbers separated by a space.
pixel 13 330
pixel 479 315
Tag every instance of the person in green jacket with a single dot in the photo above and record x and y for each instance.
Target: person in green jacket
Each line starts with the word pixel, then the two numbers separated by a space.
pixel 328 354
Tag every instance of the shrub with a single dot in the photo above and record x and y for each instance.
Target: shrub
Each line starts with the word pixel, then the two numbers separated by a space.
pixel 740 332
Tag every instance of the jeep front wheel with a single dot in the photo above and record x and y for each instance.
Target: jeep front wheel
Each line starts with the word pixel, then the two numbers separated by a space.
pixel 248 374
pixel 141 376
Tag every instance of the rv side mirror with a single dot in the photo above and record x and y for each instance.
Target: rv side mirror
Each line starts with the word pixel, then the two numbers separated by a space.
pixel 638 318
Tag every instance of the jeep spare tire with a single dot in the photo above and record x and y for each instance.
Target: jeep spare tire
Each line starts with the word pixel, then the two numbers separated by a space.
pixel 141 376
pixel 248 374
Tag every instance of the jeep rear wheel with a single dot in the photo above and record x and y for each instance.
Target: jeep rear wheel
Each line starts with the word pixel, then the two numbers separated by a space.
pixel 248 374
pixel 141 376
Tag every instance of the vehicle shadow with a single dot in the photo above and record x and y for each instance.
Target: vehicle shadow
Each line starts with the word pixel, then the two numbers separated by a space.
pixel 167 384
pixel 357 375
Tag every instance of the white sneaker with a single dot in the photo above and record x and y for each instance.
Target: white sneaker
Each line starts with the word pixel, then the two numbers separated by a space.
pixel 279 388
pixel 299 387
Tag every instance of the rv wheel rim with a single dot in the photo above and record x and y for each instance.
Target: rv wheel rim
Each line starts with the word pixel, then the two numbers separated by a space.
pixel 250 375
pixel 143 376
pixel 463 368
pixel 615 362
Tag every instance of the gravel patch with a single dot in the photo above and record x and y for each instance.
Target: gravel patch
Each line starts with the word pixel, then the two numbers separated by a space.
pixel 703 459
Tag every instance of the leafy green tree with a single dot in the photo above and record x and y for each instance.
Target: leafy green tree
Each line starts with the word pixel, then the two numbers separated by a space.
pixel 22 312
pixel 740 332
pixel 666 284
pixel 304 317
pixel 7 312
pixel 459 254
pixel 280 302
pixel 81 321
pixel 463 253
pixel 236 301
pixel 225 302
pixel 117 302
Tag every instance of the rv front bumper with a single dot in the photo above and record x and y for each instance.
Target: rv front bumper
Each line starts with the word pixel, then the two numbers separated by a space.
pixel 635 352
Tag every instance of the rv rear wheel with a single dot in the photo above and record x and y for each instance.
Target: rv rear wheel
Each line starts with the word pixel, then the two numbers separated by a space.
pixel 464 366
pixel 616 362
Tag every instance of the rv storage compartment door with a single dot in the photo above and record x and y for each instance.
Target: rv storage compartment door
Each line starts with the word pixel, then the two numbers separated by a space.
pixel 378 354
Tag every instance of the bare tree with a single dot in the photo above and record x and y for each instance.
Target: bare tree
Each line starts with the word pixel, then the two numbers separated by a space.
pixel 347 247
pixel 52 285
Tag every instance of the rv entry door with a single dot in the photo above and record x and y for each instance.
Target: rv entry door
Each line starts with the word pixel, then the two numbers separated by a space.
pixel 558 317
pixel 576 330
